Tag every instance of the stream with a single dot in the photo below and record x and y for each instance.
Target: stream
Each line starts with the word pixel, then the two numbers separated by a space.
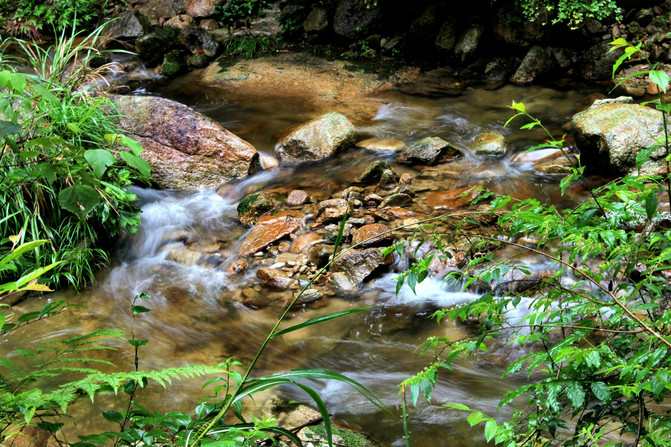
pixel 197 317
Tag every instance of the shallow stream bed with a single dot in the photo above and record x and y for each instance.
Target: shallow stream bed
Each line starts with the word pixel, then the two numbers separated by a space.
pixel 196 318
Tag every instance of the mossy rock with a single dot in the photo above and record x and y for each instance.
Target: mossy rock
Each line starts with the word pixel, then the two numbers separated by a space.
pixel 174 63
pixel 254 205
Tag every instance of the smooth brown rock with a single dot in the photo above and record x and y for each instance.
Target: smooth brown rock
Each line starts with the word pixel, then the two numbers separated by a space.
pixel 304 241
pixel 264 234
pixel 371 235
pixel 186 149
pixel 273 278
pixel 452 199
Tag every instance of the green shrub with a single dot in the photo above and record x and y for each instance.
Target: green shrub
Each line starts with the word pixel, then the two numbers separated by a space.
pixel 66 175
pixel 597 330
pixel 571 12
pixel 29 17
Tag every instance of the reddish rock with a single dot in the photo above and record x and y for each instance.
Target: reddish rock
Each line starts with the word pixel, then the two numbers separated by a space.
pixel 371 235
pixel 265 233
pixel 454 198
pixel 304 241
pixel 297 197
pixel 273 278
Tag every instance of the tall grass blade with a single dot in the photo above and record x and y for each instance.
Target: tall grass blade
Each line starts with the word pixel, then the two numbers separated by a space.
pixel 320 319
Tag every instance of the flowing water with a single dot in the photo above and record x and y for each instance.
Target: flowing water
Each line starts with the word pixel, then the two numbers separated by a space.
pixel 196 317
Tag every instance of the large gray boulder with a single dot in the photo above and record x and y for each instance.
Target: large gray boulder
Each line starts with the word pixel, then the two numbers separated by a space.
pixel 317 139
pixel 186 149
pixel 611 135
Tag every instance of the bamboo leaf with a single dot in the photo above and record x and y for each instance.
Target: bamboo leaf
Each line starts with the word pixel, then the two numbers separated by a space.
pixel 320 319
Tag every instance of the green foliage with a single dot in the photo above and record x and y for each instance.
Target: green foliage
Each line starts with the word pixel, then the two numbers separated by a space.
pixel 571 12
pixel 250 46
pixel 597 330
pixel 232 11
pixel 30 17
pixel 65 166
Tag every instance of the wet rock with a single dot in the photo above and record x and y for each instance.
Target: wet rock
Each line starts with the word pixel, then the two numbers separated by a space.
pixel 317 20
pixel 200 41
pixel 310 296
pixel 183 256
pixel 319 255
pixel 537 156
pixel 342 284
pixel 536 64
pixel 372 236
pixel 356 18
pixel 304 241
pixel 612 135
pixel 265 233
pixel 396 200
pixel 201 8
pixel 254 298
pixel 331 210
pixel 454 198
pixel 317 139
pixel 373 198
pixel 185 149
pixel 382 144
pixel 273 278
pixel 237 267
pixel 297 197
pixel 388 179
pixel 151 47
pixel 180 22
pixel 558 166
pixel 253 206
pixel 174 63
pixel 359 264
pixel 468 42
pixel 332 232
pixel 373 172
pixel 351 193
pixel 489 143
pixel 428 151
